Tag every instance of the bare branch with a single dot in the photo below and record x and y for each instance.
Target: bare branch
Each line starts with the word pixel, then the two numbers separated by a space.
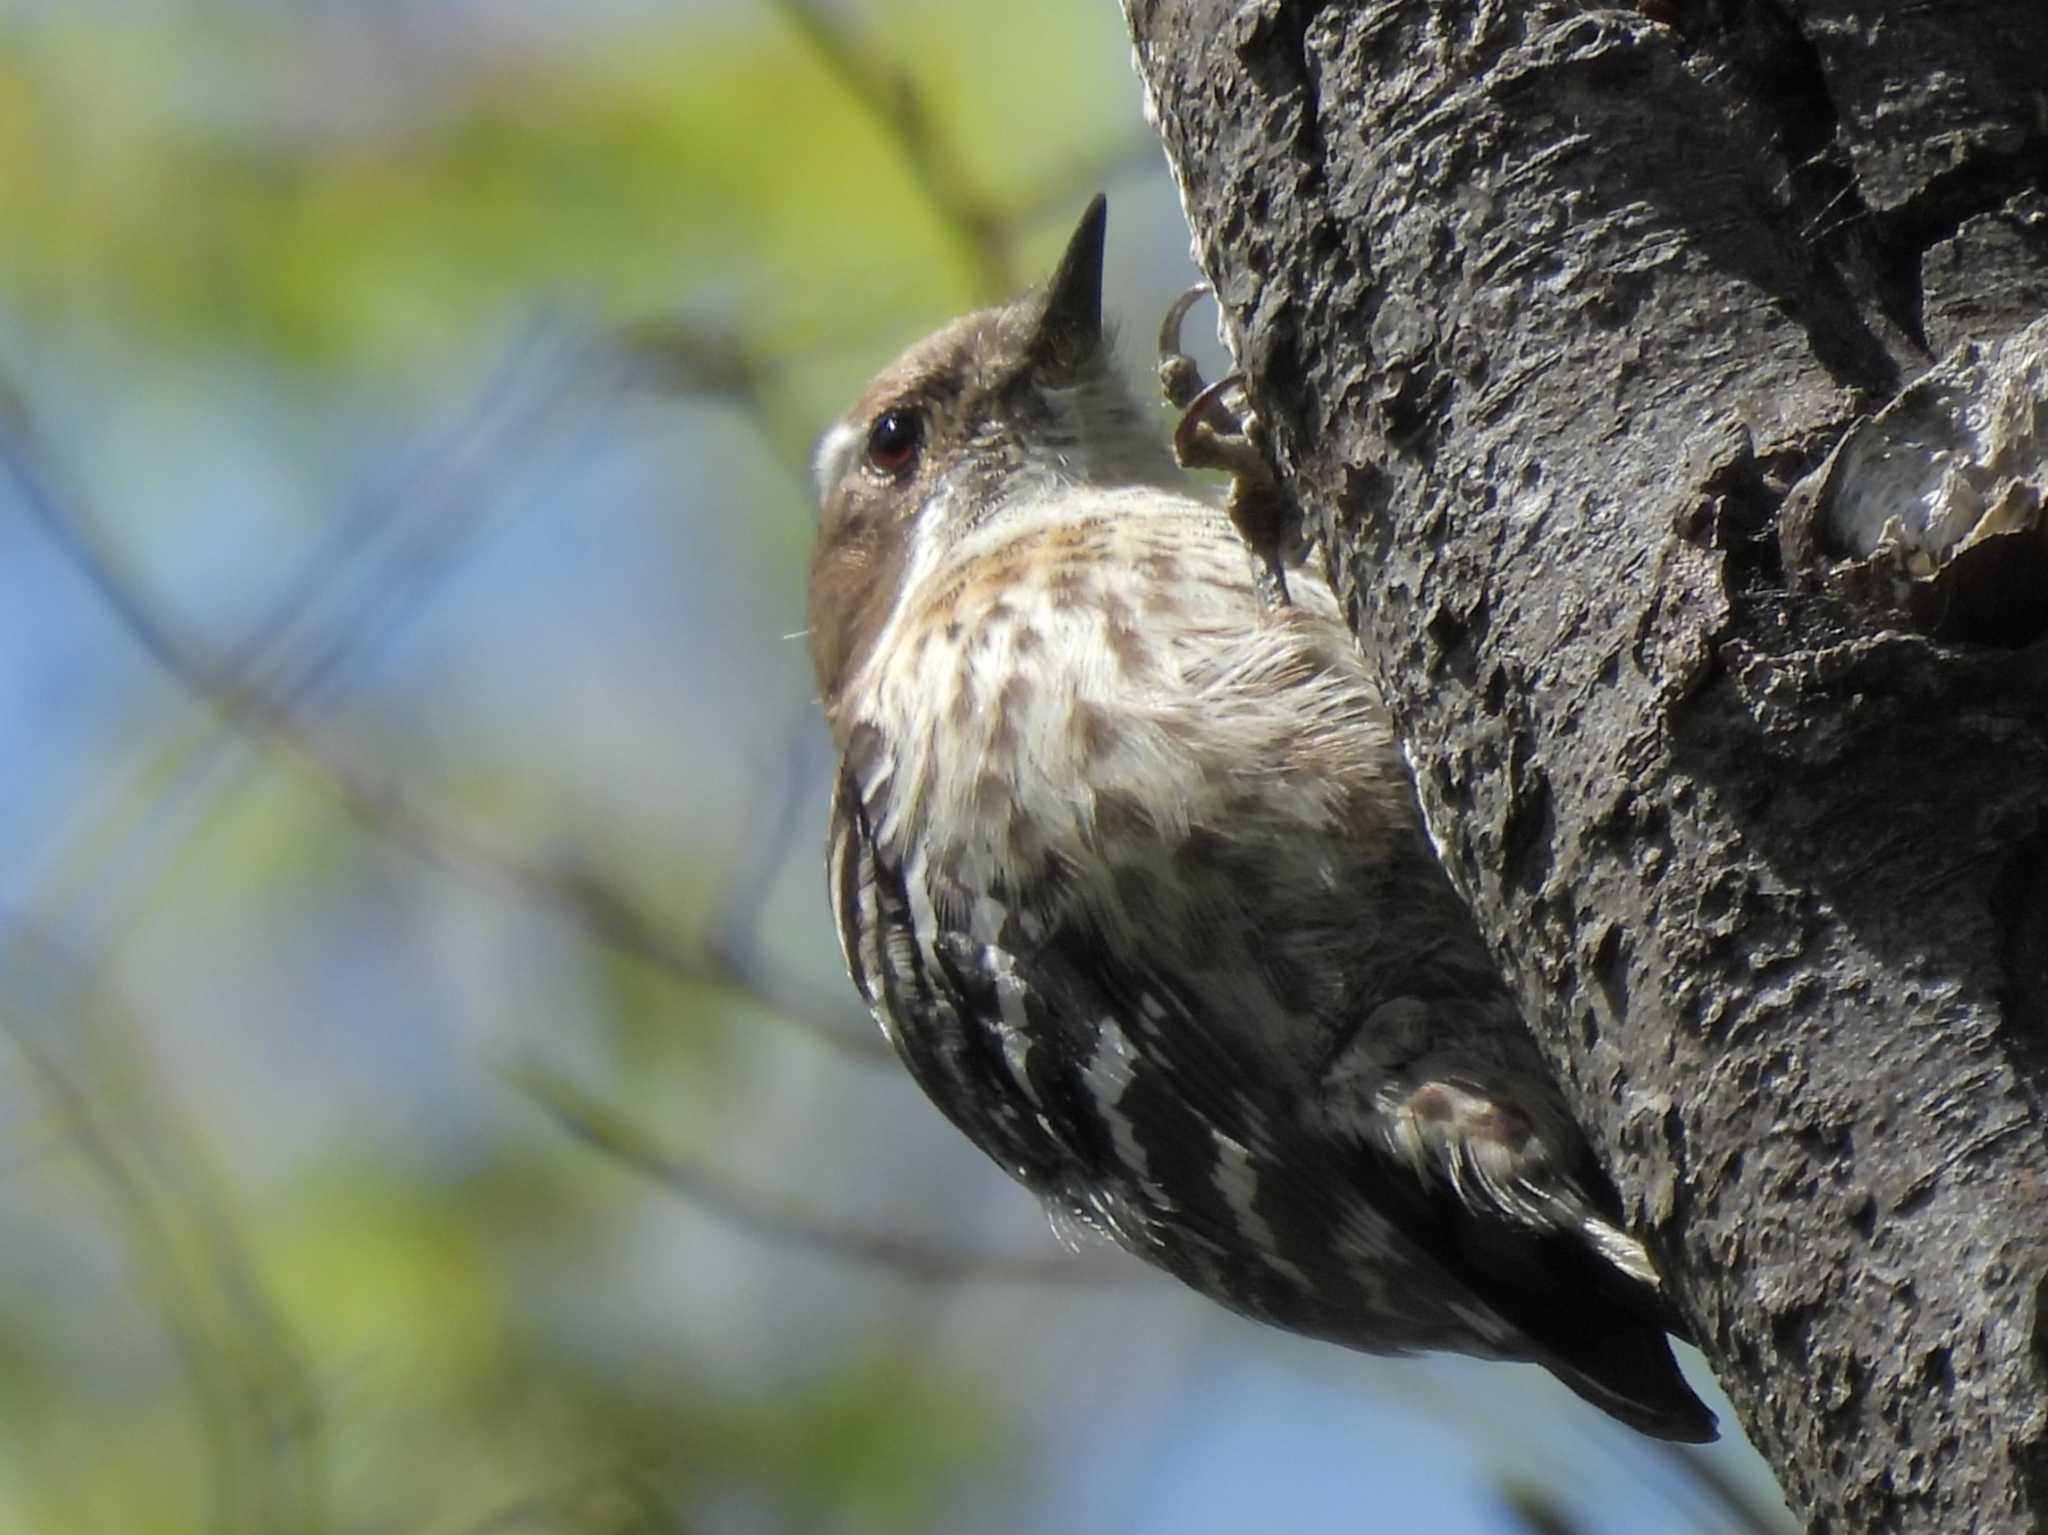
pixel 382 801
pixel 259 1412
pixel 920 1262
pixel 891 100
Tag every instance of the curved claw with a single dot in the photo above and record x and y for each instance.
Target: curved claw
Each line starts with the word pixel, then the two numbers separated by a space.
pixel 1213 436
pixel 1179 378
pixel 1188 443
pixel 1176 316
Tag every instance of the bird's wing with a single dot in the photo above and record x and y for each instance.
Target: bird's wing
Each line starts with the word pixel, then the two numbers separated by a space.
pixel 1098 1081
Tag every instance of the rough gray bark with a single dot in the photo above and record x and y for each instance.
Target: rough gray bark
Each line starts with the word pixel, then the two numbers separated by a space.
pixel 1562 322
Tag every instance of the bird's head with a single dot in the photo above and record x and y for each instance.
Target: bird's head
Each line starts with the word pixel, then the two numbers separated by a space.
pixel 1000 408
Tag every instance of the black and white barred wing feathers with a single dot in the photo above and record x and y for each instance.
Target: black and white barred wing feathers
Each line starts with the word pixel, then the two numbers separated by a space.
pixel 972 1031
pixel 1100 1085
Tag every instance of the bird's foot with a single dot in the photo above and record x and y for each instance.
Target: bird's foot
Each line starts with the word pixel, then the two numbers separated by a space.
pixel 1213 434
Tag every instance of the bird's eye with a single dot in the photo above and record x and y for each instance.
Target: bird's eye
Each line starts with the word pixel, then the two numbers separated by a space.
pixel 894 441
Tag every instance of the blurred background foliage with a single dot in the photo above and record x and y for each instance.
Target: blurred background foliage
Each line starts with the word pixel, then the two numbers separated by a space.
pixel 431 1101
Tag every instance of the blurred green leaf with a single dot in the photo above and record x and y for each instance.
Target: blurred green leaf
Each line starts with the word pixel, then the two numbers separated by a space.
pixel 624 174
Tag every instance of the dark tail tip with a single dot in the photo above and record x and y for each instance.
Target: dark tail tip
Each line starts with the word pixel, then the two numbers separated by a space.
pixel 1628 1372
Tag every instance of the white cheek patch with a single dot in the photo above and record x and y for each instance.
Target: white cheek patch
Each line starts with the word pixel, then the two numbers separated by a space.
pixel 835 455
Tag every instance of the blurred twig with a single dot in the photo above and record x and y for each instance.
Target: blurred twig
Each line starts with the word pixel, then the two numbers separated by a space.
pixel 622 1500
pixel 376 559
pixel 1537 1511
pixel 1709 1479
pixel 984 234
pixel 771 823
pixel 673 355
pixel 426 520
pixel 891 99
pixel 259 1413
pixel 600 1124
pixel 379 798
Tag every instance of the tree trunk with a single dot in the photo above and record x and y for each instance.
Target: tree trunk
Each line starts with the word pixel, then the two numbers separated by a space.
pixel 1587 341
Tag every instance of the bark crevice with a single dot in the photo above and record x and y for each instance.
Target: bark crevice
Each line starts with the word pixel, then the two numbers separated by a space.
pixel 1554 321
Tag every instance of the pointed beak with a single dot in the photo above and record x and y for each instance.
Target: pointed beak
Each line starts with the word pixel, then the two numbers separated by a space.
pixel 1069 329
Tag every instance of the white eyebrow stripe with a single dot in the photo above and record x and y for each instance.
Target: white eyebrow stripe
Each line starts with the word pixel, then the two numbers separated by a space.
pixel 834 457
